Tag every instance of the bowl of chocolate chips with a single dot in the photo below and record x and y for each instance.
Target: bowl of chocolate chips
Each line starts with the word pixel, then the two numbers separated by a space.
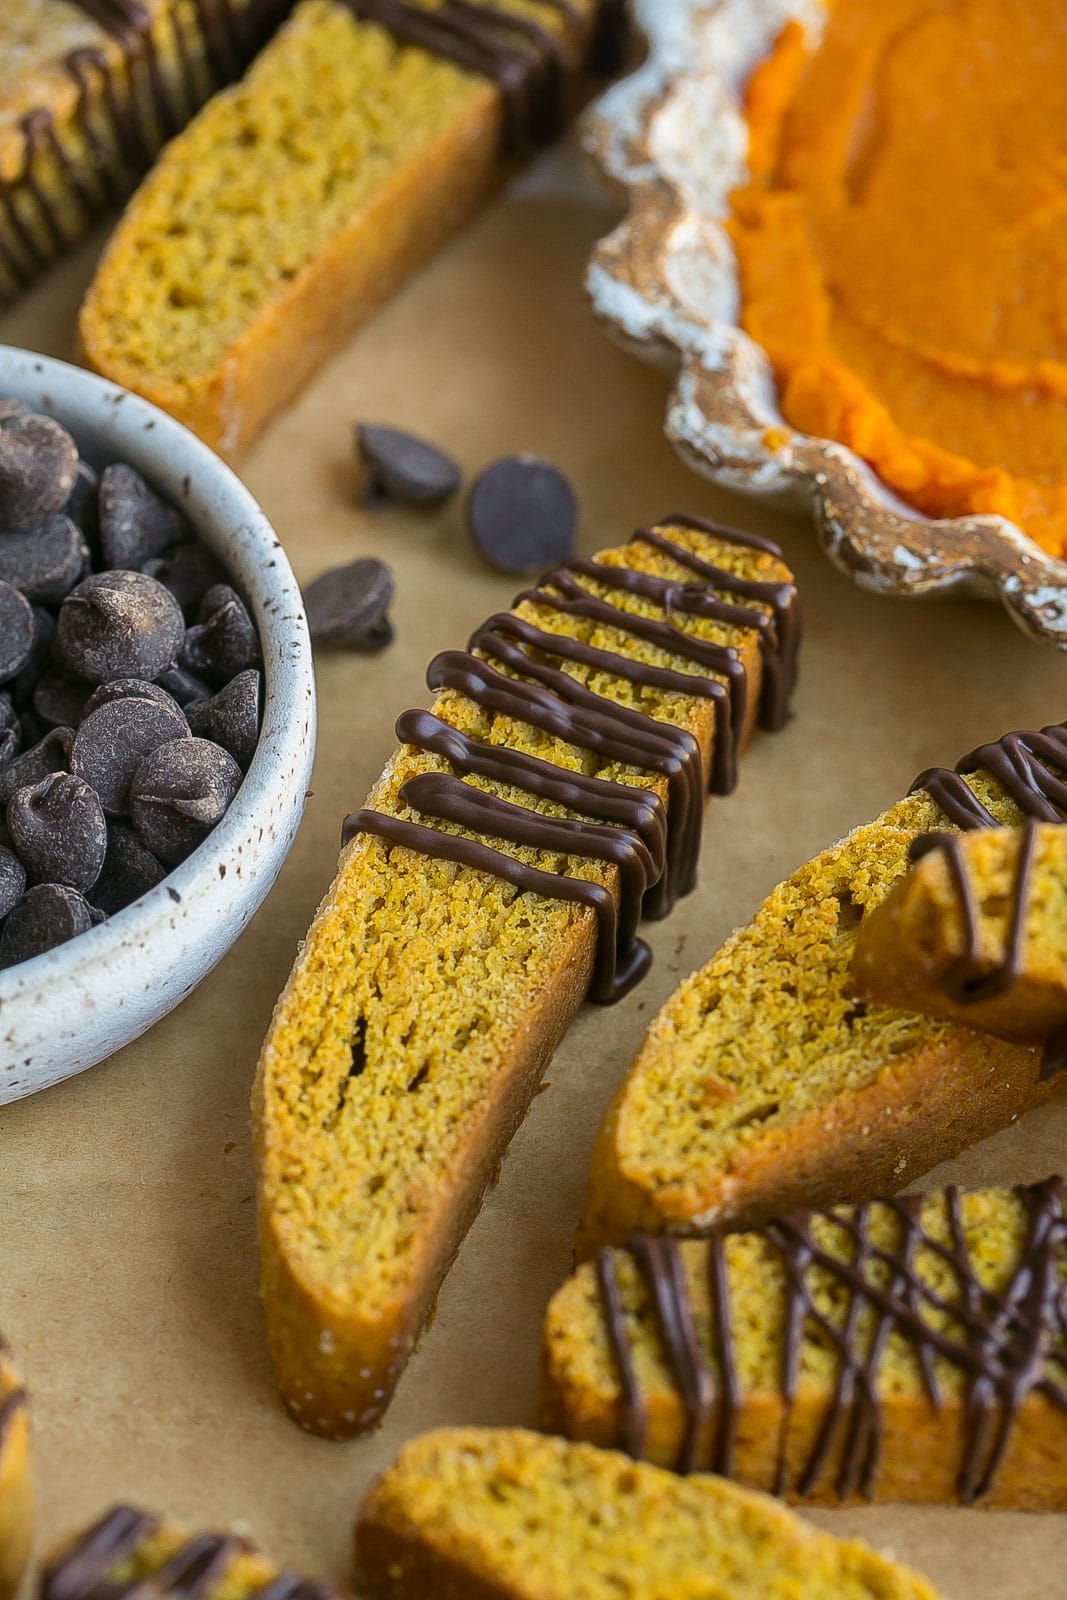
pixel 157 716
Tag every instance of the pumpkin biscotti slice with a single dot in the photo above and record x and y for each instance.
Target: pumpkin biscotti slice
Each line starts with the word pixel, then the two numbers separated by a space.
pixel 911 1349
pixel 976 933
pixel 498 871
pixel 16 1522
pixel 765 1083
pixel 364 134
pixel 502 1514
pixel 89 90
pixel 129 1554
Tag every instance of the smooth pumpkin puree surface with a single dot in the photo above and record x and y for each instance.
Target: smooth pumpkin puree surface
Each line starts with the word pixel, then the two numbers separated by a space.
pixel 902 247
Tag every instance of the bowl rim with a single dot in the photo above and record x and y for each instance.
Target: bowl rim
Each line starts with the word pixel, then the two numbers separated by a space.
pixel 671 138
pixel 286 741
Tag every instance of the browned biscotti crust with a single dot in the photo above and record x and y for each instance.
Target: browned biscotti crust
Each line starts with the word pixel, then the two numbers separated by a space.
pixel 16 1507
pixel 503 1514
pixel 424 1006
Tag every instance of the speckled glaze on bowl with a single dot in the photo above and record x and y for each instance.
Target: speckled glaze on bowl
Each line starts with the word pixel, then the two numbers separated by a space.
pixel 68 1009
pixel 672 138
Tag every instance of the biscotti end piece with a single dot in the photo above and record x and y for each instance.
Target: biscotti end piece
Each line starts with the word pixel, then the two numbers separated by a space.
pixel 296 202
pixel 430 993
pixel 765 1083
pixel 502 1514
pixel 976 933
pixel 130 1552
pixel 88 94
pixel 16 1509
pixel 865 1353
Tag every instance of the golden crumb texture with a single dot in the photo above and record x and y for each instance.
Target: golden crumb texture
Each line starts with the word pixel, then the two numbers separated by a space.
pixel 84 107
pixel 502 1514
pixel 422 1010
pixel 908 950
pixel 16 1507
pixel 290 208
pixel 765 1082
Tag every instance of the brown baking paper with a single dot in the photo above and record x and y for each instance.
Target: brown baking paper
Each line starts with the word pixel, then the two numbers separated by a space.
pixel 127 1249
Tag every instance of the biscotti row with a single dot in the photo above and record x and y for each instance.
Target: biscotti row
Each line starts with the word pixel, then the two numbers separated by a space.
pixel 552 795
pixel 484 1514
pixel 365 133
pixel 15 1494
pixel 89 92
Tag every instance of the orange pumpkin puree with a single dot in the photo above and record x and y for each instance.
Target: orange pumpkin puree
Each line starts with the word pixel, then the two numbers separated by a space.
pixel 902 247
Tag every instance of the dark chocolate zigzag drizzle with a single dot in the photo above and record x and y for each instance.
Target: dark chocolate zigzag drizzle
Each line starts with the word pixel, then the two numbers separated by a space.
pixel 191 1573
pixel 1008 1345
pixel 231 35
pixel 656 852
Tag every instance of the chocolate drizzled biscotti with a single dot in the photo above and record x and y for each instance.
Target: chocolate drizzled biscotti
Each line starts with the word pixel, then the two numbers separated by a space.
pixel 977 933
pixel 295 203
pixel 498 873
pixel 765 1083
pixel 501 1514
pixel 89 91
pixel 911 1349
pixel 15 1498
pixel 131 1553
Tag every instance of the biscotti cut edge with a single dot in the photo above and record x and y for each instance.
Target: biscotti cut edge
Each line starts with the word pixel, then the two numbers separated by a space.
pixel 16 1503
pixel 341 1328
pixel 504 1514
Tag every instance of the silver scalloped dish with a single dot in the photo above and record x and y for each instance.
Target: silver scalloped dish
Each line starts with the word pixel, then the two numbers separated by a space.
pixel 672 137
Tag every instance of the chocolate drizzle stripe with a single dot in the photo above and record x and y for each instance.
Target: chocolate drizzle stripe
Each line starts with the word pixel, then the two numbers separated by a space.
pixel 84 1571
pixel 1008 1345
pixel 654 849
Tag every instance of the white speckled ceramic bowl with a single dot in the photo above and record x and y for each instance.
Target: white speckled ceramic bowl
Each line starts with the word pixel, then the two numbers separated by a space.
pixel 67 1009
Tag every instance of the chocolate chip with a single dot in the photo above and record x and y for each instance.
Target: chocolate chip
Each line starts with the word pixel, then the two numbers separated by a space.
pixel 118 625
pixel 231 719
pixel 33 729
pixel 16 631
pixel 47 916
pixel 44 561
pixel 10 730
pixel 179 793
pixel 129 689
pixel 50 754
pixel 188 570
pixel 349 605
pixel 224 640
pixel 522 514
pixel 113 740
pixel 59 701
pixel 44 631
pixel 185 687
pixel 83 507
pixel 135 524
pixel 402 467
pixel 38 465
pixel 10 407
pixel 58 830
pixel 12 881
pixel 130 870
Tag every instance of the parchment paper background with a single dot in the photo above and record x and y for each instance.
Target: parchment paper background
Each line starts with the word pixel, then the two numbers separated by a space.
pixel 127 1256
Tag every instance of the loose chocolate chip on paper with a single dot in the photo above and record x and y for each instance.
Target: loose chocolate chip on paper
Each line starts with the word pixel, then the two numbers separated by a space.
pixel 58 830
pixel 180 793
pixel 223 642
pixel 47 916
pixel 16 631
pixel 130 870
pixel 404 468
pixel 113 740
pixel 50 754
pixel 38 465
pixel 350 605
pixel 12 881
pixel 135 524
pixel 231 718
pixel 59 701
pixel 119 625
pixel 522 514
pixel 188 570
pixel 44 561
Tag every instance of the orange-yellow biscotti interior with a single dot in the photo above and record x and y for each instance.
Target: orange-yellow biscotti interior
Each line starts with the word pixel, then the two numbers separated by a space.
pixel 16 1510
pixel 509 1515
